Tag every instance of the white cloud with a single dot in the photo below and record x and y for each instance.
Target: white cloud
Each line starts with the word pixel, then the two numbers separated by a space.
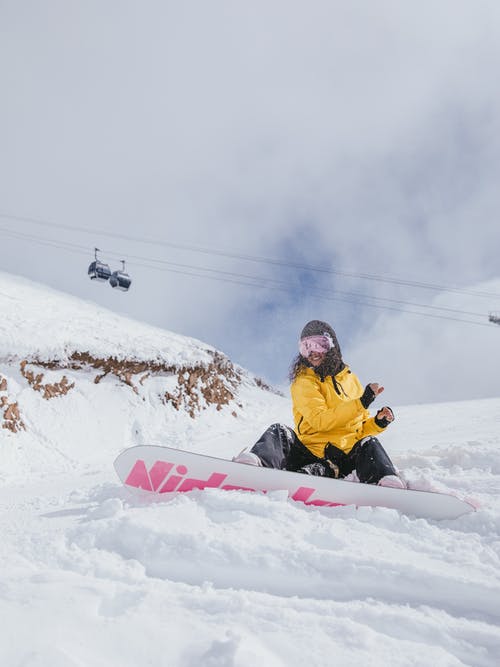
pixel 422 360
pixel 360 135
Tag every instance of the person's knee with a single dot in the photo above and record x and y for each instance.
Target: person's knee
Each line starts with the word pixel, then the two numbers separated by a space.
pixel 369 441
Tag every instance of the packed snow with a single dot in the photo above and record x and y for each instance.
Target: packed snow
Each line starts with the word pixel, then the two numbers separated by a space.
pixel 93 576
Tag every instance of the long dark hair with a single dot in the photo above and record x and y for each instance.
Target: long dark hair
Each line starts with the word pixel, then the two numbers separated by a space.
pixel 332 364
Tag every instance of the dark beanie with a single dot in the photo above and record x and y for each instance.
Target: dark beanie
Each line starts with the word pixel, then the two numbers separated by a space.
pixel 318 328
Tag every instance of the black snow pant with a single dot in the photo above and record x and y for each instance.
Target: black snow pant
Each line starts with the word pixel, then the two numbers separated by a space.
pixel 368 458
pixel 279 447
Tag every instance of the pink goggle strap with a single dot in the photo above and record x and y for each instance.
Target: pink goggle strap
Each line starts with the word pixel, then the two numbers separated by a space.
pixel 315 344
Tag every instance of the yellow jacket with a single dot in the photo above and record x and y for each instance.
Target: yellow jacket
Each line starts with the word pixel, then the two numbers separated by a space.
pixel 324 414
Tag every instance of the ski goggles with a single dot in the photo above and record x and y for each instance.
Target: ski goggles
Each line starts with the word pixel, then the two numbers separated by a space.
pixel 320 344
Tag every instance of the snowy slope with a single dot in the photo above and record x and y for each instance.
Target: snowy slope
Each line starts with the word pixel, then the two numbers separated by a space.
pixel 43 323
pixel 77 378
pixel 92 576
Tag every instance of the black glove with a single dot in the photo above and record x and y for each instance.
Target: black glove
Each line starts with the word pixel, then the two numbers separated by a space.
pixel 383 422
pixel 368 396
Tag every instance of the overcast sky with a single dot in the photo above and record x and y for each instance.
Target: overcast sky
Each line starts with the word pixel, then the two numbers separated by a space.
pixel 359 137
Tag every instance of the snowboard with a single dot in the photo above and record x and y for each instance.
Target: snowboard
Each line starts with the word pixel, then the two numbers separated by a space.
pixel 162 470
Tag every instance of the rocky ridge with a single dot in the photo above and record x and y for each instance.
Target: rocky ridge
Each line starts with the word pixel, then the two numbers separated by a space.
pixel 190 388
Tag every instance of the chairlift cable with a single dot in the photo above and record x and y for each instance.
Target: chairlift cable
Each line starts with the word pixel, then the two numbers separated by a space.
pixel 255 280
pixel 322 297
pixel 317 291
pixel 253 258
pixel 226 276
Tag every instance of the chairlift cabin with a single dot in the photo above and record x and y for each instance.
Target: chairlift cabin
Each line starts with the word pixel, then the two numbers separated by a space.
pixel 99 270
pixel 494 317
pixel 120 280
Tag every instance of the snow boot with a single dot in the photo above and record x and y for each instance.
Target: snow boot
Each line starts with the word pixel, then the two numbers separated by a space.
pixel 247 457
pixel 392 481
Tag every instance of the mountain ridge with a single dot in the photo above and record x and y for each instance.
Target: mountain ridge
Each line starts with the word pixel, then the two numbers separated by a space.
pixel 48 347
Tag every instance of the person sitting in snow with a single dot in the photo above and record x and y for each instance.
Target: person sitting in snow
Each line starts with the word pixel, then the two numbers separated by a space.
pixel 334 434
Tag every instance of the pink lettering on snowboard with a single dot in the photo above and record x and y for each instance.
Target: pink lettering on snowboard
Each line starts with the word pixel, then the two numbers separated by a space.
pixel 158 478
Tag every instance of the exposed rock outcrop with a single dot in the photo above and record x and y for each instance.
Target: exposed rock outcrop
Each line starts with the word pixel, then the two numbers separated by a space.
pixel 11 418
pixel 196 388
pixel 48 390
pixel 186 388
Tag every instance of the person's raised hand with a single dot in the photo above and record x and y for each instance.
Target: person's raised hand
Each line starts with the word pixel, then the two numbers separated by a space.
pixel 384 417
pixel 371 391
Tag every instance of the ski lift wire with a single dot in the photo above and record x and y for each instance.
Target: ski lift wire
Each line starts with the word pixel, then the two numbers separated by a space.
pixel 251 258
pixel 263 283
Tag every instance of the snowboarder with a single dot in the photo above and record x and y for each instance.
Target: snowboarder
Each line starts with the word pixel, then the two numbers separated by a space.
pixel 334 435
